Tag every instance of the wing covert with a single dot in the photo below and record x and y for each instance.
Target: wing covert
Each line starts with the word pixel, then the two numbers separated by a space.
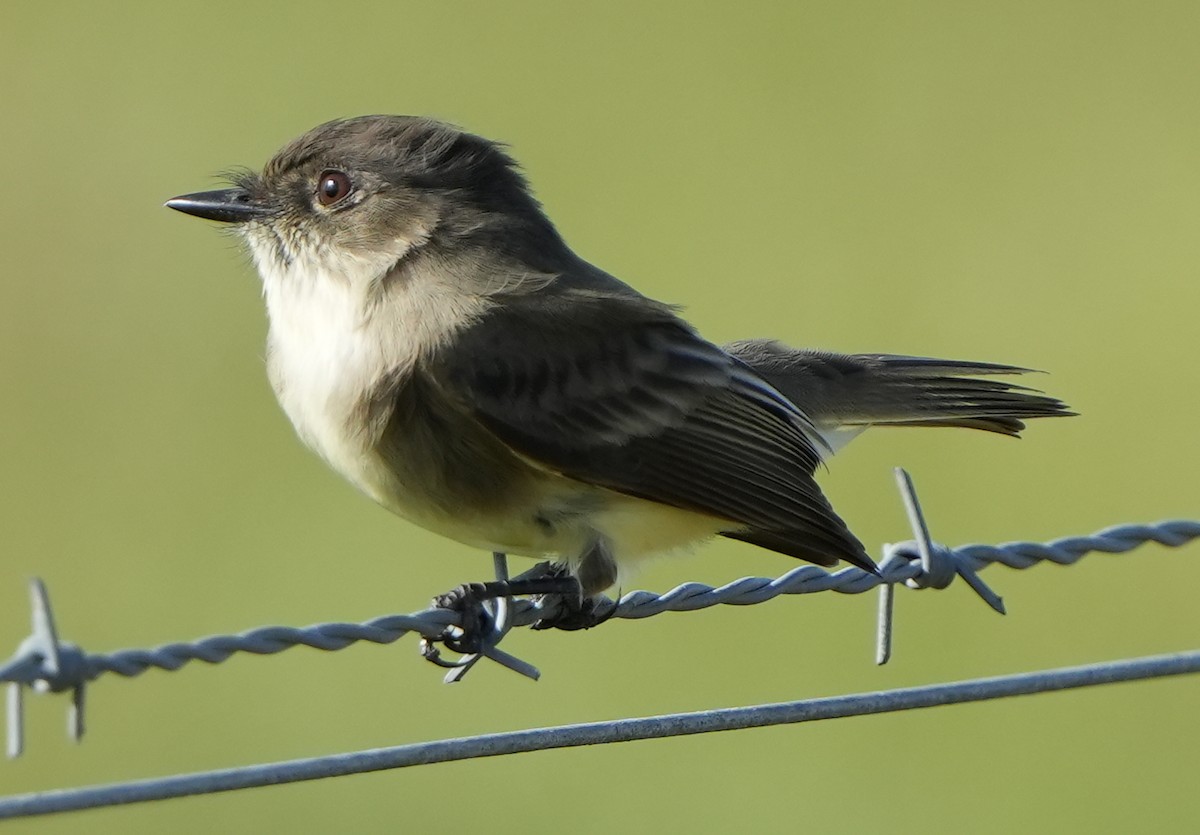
pixel 623 394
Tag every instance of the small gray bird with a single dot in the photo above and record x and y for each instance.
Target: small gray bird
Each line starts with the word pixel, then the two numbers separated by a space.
pixel 436 341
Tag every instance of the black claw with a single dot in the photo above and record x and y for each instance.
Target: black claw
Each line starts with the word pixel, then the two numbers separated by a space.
pixel 576 613
pixel 548 578
pixel 476 620
pixel 545 580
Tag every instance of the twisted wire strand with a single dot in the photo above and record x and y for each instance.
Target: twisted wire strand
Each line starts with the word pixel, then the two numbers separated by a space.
pixel 1069 549
pixel 901 564
pixel 45 663
pixel 266 640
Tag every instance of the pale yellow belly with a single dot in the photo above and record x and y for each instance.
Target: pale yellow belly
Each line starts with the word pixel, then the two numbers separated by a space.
pixel 440 470
pixel 634 529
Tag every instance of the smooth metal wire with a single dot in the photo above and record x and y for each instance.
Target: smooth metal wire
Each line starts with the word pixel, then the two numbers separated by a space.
pixel 594 733
pixel 46 663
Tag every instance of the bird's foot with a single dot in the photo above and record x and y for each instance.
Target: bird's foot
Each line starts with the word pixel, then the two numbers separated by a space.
pixel 569 610
pixel 471 601
pixel 577 613
pixel 475 619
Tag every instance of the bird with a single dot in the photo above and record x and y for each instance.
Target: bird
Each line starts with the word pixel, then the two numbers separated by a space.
pixel 436 341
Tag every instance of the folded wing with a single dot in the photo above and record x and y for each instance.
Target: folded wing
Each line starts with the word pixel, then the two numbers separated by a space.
pixel 621 393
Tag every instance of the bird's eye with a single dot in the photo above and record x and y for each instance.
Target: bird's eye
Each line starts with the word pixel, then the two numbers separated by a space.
pixel 332 187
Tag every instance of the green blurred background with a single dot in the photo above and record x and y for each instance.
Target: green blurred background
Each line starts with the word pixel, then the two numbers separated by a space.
pixel 1015 182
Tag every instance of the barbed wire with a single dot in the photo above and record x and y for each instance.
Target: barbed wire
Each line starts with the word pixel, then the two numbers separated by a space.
pixel 594 733
pixel 45 663
pixel 900 565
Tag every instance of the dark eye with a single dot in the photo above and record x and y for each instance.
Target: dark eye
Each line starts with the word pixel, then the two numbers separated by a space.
pixel 332 187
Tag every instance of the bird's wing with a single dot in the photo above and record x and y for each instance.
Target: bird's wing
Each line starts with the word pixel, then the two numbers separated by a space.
pixel 619 392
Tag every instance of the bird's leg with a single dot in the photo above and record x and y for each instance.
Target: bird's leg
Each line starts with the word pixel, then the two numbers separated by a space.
pixel 543 578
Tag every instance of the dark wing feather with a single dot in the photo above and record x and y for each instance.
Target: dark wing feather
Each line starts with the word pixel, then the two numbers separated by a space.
pixel 621 393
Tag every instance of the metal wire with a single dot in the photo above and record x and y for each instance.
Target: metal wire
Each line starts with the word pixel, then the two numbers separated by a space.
pixel 901 564
pixel 621 730
pixel 46 663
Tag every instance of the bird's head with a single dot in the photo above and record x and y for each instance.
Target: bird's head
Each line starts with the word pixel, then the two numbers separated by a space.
pixel 357 196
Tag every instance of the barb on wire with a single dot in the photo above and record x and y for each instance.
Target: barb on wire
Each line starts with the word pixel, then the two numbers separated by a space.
pixel 495 626
pixel 47 664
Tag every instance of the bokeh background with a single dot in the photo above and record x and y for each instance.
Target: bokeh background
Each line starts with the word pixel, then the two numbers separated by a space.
pixel 1015 182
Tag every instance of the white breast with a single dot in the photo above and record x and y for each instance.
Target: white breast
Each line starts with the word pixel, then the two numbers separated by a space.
pixel 337 330
pixel 321 361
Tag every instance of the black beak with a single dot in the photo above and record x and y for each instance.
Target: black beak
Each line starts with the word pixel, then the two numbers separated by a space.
pixel 230 205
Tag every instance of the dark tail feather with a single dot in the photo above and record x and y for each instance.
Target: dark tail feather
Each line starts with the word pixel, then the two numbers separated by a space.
pixel 848 390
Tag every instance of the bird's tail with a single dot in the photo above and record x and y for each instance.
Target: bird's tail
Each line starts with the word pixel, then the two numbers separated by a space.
pixel 845 393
